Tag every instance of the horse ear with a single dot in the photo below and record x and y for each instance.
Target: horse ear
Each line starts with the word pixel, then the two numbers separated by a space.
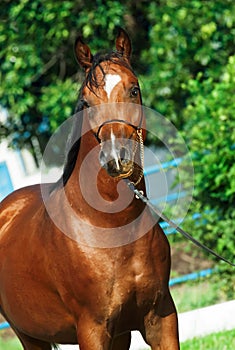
pixel 123 44
pixel 83 53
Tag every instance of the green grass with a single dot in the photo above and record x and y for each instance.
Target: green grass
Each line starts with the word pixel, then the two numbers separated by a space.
pixel 217 341
pixel 10 344
pixel 198 294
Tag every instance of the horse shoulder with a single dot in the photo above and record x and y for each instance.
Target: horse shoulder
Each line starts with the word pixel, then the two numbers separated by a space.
pixel 25 201
pixel 152 261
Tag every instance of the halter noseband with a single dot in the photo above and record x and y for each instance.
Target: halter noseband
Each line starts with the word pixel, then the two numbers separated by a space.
pixel 121 121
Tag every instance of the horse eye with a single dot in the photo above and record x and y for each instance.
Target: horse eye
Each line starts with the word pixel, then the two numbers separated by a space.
pixel 86 104
pixel 134 92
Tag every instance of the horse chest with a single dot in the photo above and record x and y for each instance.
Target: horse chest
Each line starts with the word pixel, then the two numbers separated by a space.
pixel 136 282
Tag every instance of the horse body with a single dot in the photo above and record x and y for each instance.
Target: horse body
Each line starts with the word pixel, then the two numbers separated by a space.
pixel 56 288
pixel 118 287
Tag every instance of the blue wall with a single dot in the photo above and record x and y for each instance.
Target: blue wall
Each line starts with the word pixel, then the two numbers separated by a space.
pixel 6 186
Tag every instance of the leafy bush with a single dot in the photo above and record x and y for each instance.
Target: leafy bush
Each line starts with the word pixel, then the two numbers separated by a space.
pixel 210 133
pixel 38 69
pixel 186 37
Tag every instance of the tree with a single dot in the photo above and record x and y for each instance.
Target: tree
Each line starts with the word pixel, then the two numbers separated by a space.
pixel 39 75
pixel 210 131
pixel 186 37
pixel 40 78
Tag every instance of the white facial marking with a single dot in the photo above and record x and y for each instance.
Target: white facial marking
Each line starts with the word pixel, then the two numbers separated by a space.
pixel 111 80
pixel 113 150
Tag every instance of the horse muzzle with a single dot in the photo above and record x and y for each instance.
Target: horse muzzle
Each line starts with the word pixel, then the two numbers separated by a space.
pixel 117 161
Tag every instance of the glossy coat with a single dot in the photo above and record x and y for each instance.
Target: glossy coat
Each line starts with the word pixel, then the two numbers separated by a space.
pixel 54 289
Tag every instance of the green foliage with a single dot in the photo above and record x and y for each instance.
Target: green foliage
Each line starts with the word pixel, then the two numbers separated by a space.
pixel 210 133
pixel 56 99
pixel 39 79
pixel 189 296
pixel 186 37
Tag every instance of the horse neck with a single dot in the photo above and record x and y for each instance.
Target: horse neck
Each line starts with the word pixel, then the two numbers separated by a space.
pixel 91 190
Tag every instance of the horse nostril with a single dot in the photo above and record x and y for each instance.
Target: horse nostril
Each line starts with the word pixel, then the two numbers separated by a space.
pixel 124 155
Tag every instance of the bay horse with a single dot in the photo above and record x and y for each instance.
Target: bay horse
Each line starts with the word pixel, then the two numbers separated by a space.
pixel 62 289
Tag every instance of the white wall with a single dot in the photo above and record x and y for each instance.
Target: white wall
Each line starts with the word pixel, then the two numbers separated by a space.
pixel 21 166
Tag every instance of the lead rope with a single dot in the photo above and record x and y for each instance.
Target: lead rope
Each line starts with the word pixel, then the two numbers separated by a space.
pixel 145 200
pixel 141 145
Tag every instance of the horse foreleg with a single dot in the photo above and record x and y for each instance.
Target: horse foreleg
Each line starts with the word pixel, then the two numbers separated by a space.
pixel 161 328
pixel 122 342
pixel 92 335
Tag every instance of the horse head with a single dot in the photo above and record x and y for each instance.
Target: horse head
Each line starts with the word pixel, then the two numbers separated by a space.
pixel 112 103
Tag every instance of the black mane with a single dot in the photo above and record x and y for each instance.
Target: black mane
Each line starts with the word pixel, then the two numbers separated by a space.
pixel 73 143
pixel 91 82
